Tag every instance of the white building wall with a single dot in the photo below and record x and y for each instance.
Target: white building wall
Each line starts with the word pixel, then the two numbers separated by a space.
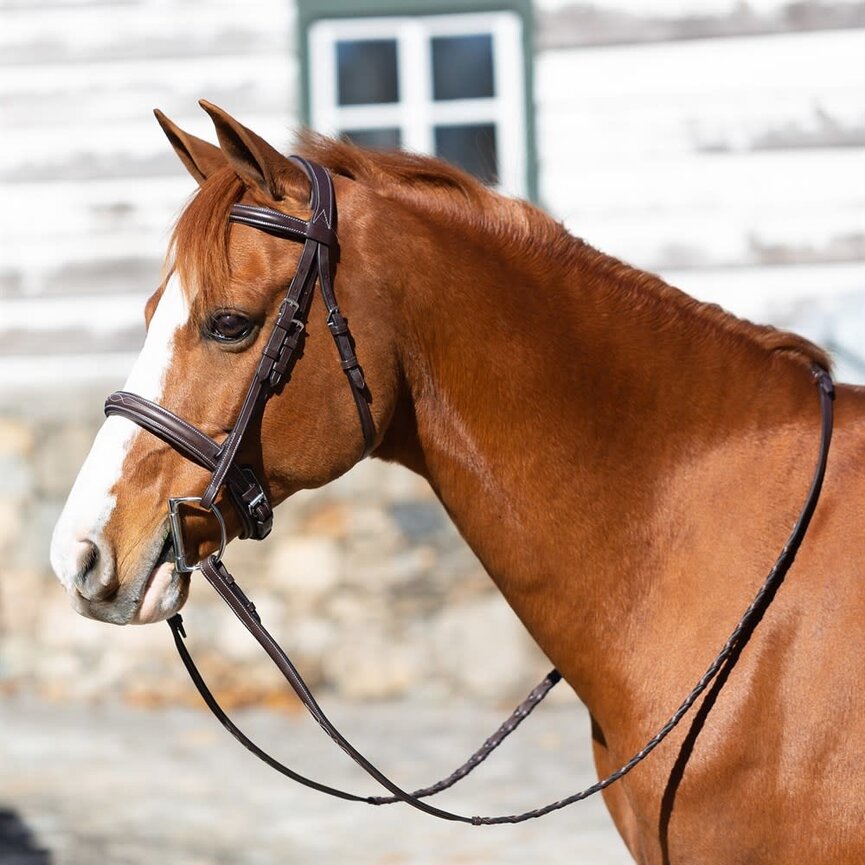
pixel 89 184
pixel 734 166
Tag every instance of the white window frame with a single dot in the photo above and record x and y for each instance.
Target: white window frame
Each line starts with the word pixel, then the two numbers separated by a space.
pixel 417 113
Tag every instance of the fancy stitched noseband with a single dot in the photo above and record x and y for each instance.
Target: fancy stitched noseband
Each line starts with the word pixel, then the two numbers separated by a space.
pixel 248 495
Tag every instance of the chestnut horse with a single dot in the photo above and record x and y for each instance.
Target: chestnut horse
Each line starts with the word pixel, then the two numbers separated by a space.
pixel 625 461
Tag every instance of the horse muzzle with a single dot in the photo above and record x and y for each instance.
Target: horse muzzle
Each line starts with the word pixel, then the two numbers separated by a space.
pixel 87 568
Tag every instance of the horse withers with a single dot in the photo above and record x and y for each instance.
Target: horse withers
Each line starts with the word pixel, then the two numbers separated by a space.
pixel 626 463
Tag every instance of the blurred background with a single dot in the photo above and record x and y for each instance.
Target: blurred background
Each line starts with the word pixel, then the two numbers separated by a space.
pixel 718 143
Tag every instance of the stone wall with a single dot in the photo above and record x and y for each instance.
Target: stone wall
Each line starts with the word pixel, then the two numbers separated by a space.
pixel 365 581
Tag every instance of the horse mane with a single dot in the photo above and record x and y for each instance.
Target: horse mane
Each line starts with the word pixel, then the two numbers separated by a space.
pixel 437 188
pixel 519 229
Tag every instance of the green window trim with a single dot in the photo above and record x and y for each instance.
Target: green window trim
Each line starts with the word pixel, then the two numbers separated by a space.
pixel 311 11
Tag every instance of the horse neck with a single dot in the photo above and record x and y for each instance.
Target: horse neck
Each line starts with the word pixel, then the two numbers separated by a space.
pixel 558 409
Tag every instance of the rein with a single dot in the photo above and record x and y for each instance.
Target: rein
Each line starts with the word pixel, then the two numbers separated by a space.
pixel 247 494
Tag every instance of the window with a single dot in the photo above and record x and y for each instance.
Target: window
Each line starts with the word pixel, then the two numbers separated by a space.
pixel 452 85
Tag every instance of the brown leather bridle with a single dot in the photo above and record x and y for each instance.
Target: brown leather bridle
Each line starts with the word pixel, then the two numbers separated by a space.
pixel 317 261
pixel 247 493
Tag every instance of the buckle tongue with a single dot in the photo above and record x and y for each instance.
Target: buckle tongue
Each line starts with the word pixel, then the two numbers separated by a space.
pixel 180 562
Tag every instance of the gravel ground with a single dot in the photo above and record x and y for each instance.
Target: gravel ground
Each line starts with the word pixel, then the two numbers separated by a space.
pixel 111 785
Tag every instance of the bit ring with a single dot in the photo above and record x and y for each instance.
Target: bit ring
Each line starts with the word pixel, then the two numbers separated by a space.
pixel 180 562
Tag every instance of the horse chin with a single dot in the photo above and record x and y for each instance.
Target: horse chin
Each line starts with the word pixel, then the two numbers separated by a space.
pixel 156 596
pixel 165 592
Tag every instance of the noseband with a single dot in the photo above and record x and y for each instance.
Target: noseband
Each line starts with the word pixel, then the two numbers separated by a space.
pixel 248 495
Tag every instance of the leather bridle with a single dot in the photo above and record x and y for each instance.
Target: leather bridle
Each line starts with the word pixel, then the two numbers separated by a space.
pixel 318 260
pixel 248 495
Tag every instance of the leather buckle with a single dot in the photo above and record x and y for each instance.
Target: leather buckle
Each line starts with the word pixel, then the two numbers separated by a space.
pixel 287 302
pixel 336 322
pixel 255 503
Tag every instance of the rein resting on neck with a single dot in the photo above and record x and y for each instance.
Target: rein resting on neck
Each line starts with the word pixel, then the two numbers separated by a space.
pixel 247 493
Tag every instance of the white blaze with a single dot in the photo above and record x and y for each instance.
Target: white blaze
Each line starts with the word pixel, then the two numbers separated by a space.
pixel 91 502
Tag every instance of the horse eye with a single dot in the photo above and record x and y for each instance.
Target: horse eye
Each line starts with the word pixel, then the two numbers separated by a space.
pixel 228 326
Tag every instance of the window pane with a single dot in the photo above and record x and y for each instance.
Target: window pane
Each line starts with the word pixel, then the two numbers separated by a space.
pixel 366 71
pixel 472 147
pixel 380 139
pixel 462 67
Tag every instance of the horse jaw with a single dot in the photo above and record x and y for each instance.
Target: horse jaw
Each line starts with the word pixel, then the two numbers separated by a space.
pixel 83 557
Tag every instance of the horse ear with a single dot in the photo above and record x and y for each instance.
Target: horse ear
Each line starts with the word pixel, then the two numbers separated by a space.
pixel 256 162
pixel 200 157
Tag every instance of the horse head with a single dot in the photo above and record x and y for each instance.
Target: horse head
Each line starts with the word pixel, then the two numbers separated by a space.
pixel 206 326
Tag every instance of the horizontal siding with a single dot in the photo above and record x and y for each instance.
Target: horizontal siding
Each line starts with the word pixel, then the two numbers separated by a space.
pixel 706 154
pixel 36 101
pixel 38 33
pixel 710 211
pixel 84 210
pixel 722 162
pixel 66 375
pixel 90 185
pixel 565 23
pixel 699 95
pixel 53 326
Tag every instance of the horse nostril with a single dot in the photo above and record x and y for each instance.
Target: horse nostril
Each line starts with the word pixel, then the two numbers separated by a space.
pixel 90 583
pixel 89 557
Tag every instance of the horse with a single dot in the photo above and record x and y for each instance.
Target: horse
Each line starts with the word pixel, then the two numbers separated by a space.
pixel 624 460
